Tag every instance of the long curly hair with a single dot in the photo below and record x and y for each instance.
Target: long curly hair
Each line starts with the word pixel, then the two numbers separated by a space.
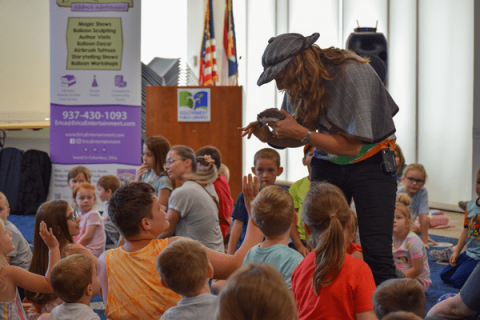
pixel 305 76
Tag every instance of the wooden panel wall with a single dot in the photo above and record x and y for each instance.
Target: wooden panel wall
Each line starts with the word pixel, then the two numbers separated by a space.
pixel 221 132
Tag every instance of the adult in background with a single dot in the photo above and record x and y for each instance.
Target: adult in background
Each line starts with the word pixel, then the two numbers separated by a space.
pixel 336 102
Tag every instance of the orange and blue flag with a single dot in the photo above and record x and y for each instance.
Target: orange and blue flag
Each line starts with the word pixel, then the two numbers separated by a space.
pixel 208 57
pixel 230 46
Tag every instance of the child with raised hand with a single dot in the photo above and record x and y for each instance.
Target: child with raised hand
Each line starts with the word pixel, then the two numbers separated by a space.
pixel 414 177
pixel 399 295
pixel 21 255
pixel 12 276
pixel 60 214
pixel 152 170
pixel 329 283
pixel 256 292
pixel 350 235
pixel 76 291
pixel 273 213
pixel 266 167
pixel 106 186
pixel 298 190
pixel 183 267
pixel 135 210
pixel 462 264
pixel 92 232
pixel 408 250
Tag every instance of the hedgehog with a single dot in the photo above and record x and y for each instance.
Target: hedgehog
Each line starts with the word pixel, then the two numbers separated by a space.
pixel 269 115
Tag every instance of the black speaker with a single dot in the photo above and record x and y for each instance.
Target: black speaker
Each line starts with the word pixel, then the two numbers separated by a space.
pixel 367 42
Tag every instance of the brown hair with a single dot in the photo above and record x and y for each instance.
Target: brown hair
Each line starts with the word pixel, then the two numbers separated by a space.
pixel 183 265
pixel 71 276
pixel 256 292
pixel 213 152
pixel 87 186
pixel 311 69
pixel 109 182
pixel 401 315
pixel 201 176
pixel 402 158
pixel 267 153
pixel 76 171
pixel 4 197
pixel 54 214
pixel 273 210
pixel 415 166
pixel 129 205
pixel 326 212
pixel 159 146
pixel 399 295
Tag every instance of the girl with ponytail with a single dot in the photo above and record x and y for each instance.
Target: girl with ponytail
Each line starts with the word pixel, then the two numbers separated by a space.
pixel 328 283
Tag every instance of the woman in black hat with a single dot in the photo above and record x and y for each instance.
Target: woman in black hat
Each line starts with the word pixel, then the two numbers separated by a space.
pixel 336 102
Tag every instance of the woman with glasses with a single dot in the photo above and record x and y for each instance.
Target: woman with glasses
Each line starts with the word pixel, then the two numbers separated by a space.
pixel 65 224
pixel 413 179
pixel 193 207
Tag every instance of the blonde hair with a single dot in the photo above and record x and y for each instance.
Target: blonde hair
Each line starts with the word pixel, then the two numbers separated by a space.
pixel 87 186
pixel 256 292
pixel 206 176
pixel 3 260
pixel 267 153
pixel 183 265
pixel 4 197
pixel 402 203
pixel 273 210
pixel 354 224
pixel 326 212
pixel 415 166
pixel 70 276
pixel 224 171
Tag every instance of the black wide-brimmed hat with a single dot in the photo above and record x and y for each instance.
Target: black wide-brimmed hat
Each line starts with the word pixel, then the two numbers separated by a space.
pixel 280 51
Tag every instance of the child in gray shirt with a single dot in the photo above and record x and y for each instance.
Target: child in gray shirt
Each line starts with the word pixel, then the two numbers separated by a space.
pixel 184 268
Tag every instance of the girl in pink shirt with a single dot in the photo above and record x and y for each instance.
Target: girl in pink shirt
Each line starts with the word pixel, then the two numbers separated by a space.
pixel 92 233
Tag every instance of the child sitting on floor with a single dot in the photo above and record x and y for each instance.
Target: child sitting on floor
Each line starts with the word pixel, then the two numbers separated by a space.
pixel 256 292
pixel 273 213
pixel 76 291
pixel 92 232
pixel 106 186
pixel 409 251
pixel 183 267
pixel 135 210
pixel 350 235
pixel 462 264
pixel 399 295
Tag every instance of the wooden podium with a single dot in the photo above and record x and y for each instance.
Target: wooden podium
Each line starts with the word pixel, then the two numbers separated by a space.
pixel 221 132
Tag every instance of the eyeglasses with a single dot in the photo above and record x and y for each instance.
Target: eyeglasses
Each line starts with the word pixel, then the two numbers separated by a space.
pixel 413 180
pixel 170 162
pixel 73 217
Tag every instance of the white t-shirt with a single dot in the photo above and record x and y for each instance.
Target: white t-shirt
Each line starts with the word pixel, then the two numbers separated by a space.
pixel 73 311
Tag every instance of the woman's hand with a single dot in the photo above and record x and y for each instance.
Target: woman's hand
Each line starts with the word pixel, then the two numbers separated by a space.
pixel 48 237
pixel 289 128
pixel 263 134
pixel 250 190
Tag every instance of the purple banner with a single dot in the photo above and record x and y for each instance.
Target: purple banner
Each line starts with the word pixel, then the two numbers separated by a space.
pixel 99 7
pixel 93 134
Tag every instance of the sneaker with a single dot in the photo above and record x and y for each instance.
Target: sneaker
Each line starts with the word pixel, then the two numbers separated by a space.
pixel 462 204
pixel 442 255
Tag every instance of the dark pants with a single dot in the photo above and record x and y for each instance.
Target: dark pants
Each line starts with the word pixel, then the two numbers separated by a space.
pixel 374 193
pixel 458 274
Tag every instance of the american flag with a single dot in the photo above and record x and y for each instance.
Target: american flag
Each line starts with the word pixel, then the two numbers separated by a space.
pixel 230 47
pixel 208 57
